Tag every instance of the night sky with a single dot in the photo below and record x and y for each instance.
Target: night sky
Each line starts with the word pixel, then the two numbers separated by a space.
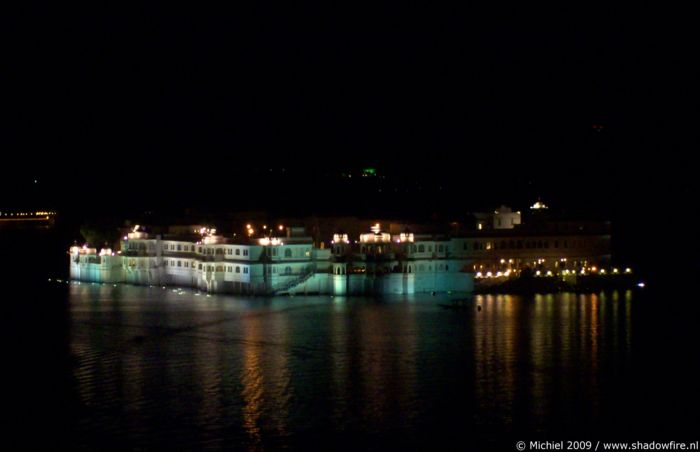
pixel 112 107
pixel 111 110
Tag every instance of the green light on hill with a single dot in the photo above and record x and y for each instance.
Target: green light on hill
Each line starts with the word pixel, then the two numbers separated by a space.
pixel 369 172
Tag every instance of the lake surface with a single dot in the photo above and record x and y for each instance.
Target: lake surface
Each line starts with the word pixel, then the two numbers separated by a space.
pixel 130 367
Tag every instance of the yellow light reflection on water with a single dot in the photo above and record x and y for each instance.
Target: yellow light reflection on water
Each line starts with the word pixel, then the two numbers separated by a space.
pixel 252 380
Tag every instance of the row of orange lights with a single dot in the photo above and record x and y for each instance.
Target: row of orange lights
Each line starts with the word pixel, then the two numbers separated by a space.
pixel 27 214
pixel 583 271
pixel 251 231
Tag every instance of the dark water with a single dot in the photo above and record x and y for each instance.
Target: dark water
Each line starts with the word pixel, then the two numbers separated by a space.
pixel 102 367
pixel 153 368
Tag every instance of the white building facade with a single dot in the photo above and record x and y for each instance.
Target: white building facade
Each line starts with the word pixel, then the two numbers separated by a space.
pixel 377 263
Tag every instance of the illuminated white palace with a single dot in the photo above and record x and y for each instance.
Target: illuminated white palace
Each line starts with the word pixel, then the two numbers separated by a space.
pixel 285 263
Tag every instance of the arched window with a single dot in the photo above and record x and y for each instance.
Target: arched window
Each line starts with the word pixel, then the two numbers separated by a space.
pixel 287 270
pixel 421 248
pixel 287 253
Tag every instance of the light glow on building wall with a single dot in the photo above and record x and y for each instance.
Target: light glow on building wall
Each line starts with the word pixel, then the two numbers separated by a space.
pixel 136 233
pixel 340 238
pixel 376 235
pixel 382 237
pixel 267 241
pixel 404 237
pixel 82 249
pixel 206 231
